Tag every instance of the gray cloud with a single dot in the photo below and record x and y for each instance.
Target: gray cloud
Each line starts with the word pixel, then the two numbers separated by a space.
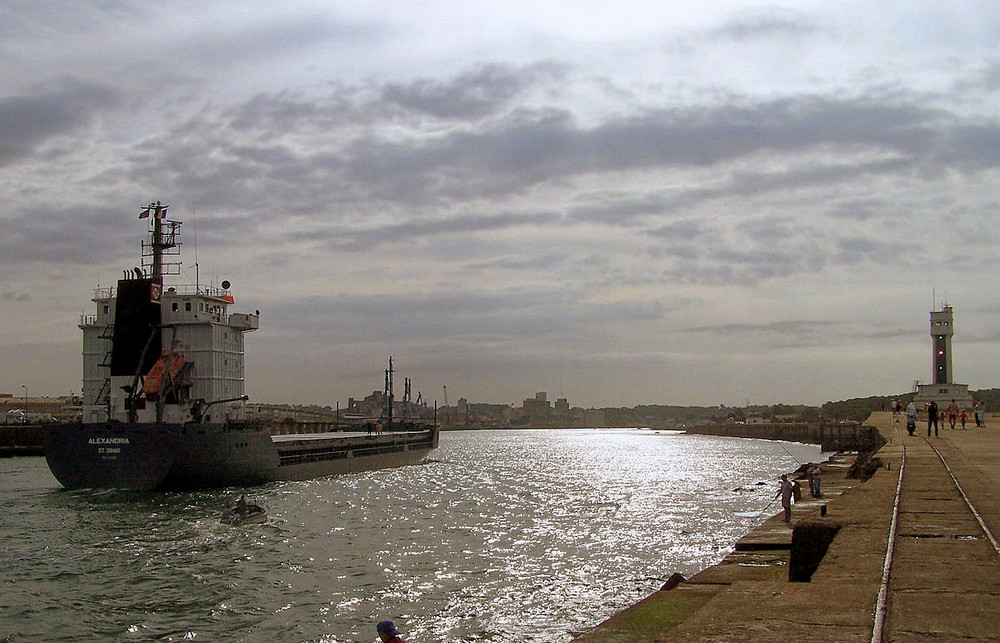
pixel 524 148
pixel 991 77
pixel 343 238
pixel 65 234
pixel 273 36
pixel 765 23
pixel 28 121
pixel 532 147
pixel 421 184
pixel 495 317
pixel 472 94
pixel 22 19
pixel 785 334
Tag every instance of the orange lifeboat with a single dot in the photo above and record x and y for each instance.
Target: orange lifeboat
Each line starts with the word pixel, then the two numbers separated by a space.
pixel 169 365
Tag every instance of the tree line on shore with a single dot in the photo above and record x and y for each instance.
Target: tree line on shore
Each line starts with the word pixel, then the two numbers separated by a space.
pixel 854 409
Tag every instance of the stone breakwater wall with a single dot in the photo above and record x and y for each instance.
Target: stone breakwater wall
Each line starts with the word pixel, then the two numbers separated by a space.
pixel 781 581
pixel 831 436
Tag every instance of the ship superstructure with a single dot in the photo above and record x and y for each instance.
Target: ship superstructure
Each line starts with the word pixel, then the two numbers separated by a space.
pixel 153 352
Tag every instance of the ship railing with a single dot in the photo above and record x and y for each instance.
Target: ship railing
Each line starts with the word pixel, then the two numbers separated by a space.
pixel 188 290
pixel 101 294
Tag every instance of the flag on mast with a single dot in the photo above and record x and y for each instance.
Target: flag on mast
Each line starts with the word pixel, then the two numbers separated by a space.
pixel 158 211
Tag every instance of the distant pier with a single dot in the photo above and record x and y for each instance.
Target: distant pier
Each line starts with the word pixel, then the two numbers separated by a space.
pixel 831 436
pixel 20 439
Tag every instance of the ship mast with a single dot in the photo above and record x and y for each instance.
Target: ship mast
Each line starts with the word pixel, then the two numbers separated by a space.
pixel 163 238
pixel 387 397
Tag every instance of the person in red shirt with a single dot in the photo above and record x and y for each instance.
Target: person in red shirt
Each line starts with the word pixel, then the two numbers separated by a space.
pixel 388 633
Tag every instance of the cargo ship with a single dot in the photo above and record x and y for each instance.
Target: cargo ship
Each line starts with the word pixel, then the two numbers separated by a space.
pixel 164 405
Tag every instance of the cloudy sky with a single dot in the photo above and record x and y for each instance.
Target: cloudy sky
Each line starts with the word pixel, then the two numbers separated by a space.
pixel 615 202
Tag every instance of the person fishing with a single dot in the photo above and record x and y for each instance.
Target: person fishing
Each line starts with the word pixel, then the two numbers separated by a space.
pixel 785 491
pixel 815 480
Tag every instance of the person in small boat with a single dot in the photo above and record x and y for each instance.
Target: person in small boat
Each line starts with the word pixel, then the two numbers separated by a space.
pixel 241 506
pixel 388 633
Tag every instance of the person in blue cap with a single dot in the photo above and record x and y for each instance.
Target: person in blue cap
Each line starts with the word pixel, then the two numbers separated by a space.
pixel 388 633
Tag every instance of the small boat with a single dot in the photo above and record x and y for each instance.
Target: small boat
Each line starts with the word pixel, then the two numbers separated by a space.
pixel 244 511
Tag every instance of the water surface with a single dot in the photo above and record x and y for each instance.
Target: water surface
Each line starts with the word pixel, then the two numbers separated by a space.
pixel 501 536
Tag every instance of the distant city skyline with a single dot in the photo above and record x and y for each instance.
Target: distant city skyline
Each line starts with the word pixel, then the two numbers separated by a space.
pixel 617 203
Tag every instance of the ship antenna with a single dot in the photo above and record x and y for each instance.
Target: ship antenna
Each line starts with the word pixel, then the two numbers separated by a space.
pixel 157 211
pixel 197 280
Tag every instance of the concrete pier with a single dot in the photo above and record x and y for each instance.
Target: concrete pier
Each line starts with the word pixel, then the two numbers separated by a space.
pixel 939 580
pixel 20 439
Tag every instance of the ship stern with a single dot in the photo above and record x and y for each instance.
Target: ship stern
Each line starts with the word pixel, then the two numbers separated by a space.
pixel 112 455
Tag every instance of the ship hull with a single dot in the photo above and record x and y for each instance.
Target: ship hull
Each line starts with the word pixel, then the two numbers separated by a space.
pixel 146 457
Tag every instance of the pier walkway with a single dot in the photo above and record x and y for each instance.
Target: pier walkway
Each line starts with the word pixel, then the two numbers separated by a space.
pixel 933 499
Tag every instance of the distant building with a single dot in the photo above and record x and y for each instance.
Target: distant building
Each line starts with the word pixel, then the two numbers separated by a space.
pixel 562 406
pixel 36 409
pixel 944 389
pixel 538 410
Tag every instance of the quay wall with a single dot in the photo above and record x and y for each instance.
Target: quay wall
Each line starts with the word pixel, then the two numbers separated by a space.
pixel 20 439
pixel 831 436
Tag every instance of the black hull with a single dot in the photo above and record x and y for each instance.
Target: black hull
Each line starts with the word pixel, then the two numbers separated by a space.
pixel 146 457
pixel 111 455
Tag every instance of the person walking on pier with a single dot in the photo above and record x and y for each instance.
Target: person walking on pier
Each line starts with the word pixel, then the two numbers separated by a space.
pixel 952 414
pixel 785 491
pixel 932 418
pixel 911 417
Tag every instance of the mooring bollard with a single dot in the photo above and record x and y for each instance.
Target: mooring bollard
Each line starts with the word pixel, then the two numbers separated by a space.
pixel 822 510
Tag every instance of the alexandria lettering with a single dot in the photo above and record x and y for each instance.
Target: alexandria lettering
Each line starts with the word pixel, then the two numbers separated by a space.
pixel 108 441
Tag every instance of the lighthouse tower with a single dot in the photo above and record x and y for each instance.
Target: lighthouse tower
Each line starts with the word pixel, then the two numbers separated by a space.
pixel 943 389
pixel 942 330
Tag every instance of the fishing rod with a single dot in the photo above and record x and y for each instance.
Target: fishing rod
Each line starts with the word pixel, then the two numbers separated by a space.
pixel 789 453
pixel 757 517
